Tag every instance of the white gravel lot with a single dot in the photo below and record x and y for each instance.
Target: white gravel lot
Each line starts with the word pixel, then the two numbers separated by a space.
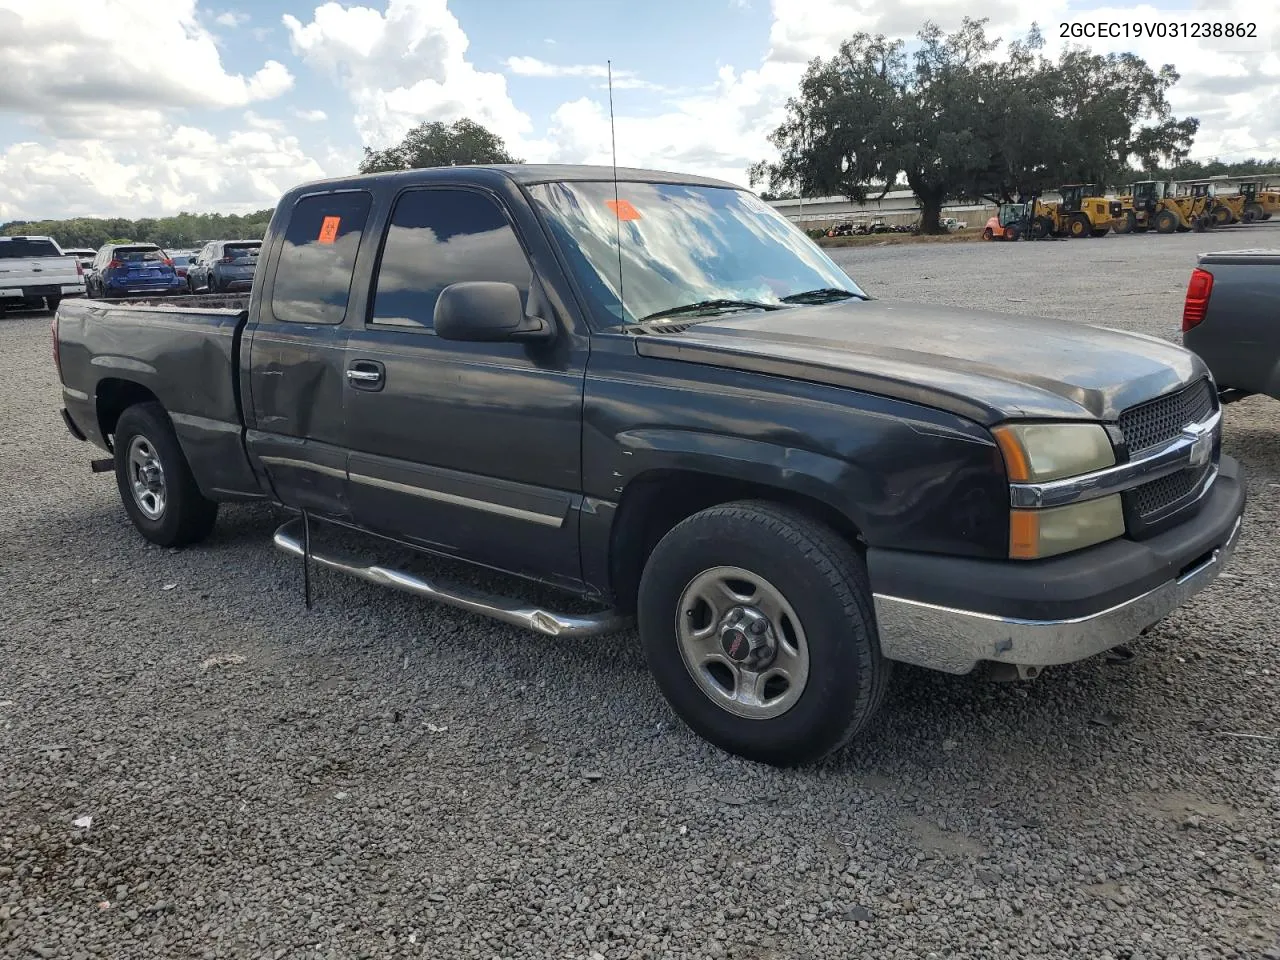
pixel 381 777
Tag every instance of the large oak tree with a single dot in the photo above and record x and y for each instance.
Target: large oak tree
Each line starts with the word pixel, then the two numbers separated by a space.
pixel 955 120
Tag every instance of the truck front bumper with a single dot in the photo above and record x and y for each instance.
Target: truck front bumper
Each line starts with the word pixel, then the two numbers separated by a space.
pixel 950 613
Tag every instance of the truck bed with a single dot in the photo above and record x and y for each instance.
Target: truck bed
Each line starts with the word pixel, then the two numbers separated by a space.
pixel 1239 337
pixel 184 352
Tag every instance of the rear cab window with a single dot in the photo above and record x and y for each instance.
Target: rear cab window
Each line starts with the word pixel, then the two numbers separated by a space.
pixel 317 260
pixel 24 249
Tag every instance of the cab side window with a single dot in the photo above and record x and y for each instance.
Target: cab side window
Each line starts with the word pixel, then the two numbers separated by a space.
pixel 440 236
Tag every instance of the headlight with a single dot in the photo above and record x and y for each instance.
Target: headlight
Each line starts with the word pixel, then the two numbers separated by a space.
pixel 1047 532
pixel 1041 452
pixel 1036 452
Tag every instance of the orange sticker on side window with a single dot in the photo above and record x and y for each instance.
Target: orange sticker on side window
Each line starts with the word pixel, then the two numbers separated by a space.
pixel 329 229
pixel 623 209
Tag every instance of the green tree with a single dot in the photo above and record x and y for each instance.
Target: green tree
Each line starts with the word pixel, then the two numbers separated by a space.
pixel 436 144
pixel 956 122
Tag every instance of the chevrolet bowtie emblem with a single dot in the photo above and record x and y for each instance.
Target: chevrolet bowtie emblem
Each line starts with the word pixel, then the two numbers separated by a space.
pixel 1201 446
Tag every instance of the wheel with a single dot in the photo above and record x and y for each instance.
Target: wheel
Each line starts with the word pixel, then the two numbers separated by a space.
pixel 156 486
pixel 1041 227
pixel 1101 232
pixel 1166 221
pixel 1127 223
pixel 1253 212
pixel 987 234
pixel 1221 215
pixel 51 303
pixel 1012 232
pixel 757 624
pixel 1080 226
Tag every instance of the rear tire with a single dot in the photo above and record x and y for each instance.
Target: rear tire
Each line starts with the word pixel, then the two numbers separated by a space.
pixel 1127 223
pixel 1253 212
pixel 1080 227
pixel 1221 214
pixel 156 486
pixel 51 303
pixel 772 564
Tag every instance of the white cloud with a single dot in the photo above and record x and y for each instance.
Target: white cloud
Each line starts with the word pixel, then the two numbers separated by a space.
pixel 311 116
pixel 533 67
pixel 59 64
pixel 184 168
pixel 231 19
pixel 406 65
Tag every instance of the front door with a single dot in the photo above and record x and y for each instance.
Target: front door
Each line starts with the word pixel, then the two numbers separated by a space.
pixel 469 449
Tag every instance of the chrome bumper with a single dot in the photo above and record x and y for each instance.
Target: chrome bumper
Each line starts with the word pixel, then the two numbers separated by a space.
pixel 955 641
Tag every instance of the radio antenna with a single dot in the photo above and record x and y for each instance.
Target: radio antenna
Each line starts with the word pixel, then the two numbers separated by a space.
pixel 617 205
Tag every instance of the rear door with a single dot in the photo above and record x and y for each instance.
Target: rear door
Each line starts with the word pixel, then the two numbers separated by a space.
pixel 469 449
pixel 296 379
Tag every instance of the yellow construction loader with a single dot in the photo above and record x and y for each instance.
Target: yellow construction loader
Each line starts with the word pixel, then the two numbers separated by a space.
pixel 1082 212
pixel 1154 205
pixel 1259 202
pixel 1223 207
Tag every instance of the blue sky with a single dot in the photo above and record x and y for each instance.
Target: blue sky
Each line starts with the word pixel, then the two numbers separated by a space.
pixel 224 104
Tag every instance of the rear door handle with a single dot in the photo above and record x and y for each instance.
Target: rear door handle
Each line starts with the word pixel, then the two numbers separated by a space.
pixel 366 374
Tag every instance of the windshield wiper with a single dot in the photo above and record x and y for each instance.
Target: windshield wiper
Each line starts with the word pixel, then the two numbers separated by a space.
pixel 702 306
pixel 823 295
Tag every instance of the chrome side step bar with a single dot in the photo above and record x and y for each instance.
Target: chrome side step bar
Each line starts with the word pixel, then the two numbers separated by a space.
pixel 290 539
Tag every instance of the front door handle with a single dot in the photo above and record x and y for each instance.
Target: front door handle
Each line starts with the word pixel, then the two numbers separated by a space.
pixel 366 374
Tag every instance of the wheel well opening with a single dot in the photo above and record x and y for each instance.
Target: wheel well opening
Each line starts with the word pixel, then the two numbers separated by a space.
pixel 114 398
pixel 654 503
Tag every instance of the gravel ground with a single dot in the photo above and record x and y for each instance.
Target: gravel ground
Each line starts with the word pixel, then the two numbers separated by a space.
pixel 381 777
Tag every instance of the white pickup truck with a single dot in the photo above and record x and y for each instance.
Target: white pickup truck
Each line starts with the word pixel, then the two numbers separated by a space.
pixel 34 272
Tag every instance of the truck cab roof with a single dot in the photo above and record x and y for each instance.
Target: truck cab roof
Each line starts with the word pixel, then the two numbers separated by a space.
pixel 521 173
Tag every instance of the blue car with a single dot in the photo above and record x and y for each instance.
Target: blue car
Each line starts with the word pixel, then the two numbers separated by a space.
pixel 122 269
pixel 223 266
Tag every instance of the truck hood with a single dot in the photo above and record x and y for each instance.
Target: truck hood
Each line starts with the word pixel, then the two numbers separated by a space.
pixel 981 365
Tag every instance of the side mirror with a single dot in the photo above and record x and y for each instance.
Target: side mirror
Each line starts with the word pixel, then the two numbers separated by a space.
pixel 482 311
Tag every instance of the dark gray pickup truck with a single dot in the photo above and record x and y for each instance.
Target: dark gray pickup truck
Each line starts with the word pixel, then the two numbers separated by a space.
pixel 667 401
pixel 1231 318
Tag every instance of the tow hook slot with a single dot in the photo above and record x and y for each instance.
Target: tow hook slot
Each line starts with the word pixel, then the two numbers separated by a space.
pixel 1009 672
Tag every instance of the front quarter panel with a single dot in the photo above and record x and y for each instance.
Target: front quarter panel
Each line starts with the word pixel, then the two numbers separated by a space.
pixel 905 476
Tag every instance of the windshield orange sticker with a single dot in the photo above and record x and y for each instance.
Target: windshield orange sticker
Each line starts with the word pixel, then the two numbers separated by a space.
pixel 329 229
pixel 623 209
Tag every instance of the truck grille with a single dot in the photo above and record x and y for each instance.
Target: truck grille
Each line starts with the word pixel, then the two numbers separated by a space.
pixel 1152 497
pixel 1157 422
pixel 1162 419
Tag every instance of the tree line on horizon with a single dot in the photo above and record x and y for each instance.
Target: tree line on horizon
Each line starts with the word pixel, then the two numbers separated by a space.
pixel 186 230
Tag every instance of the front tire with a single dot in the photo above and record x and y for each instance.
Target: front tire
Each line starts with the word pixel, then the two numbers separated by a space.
pixel 156 486
pixel 1166 221
pixel 987 234
pixel 757 624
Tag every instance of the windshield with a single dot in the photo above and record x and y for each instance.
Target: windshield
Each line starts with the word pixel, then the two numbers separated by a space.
pixel 682 245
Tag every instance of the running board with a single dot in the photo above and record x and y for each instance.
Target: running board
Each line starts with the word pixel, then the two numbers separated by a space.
pixel 290 539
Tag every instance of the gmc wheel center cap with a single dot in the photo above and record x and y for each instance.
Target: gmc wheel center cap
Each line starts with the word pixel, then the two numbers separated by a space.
pixel 747 638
